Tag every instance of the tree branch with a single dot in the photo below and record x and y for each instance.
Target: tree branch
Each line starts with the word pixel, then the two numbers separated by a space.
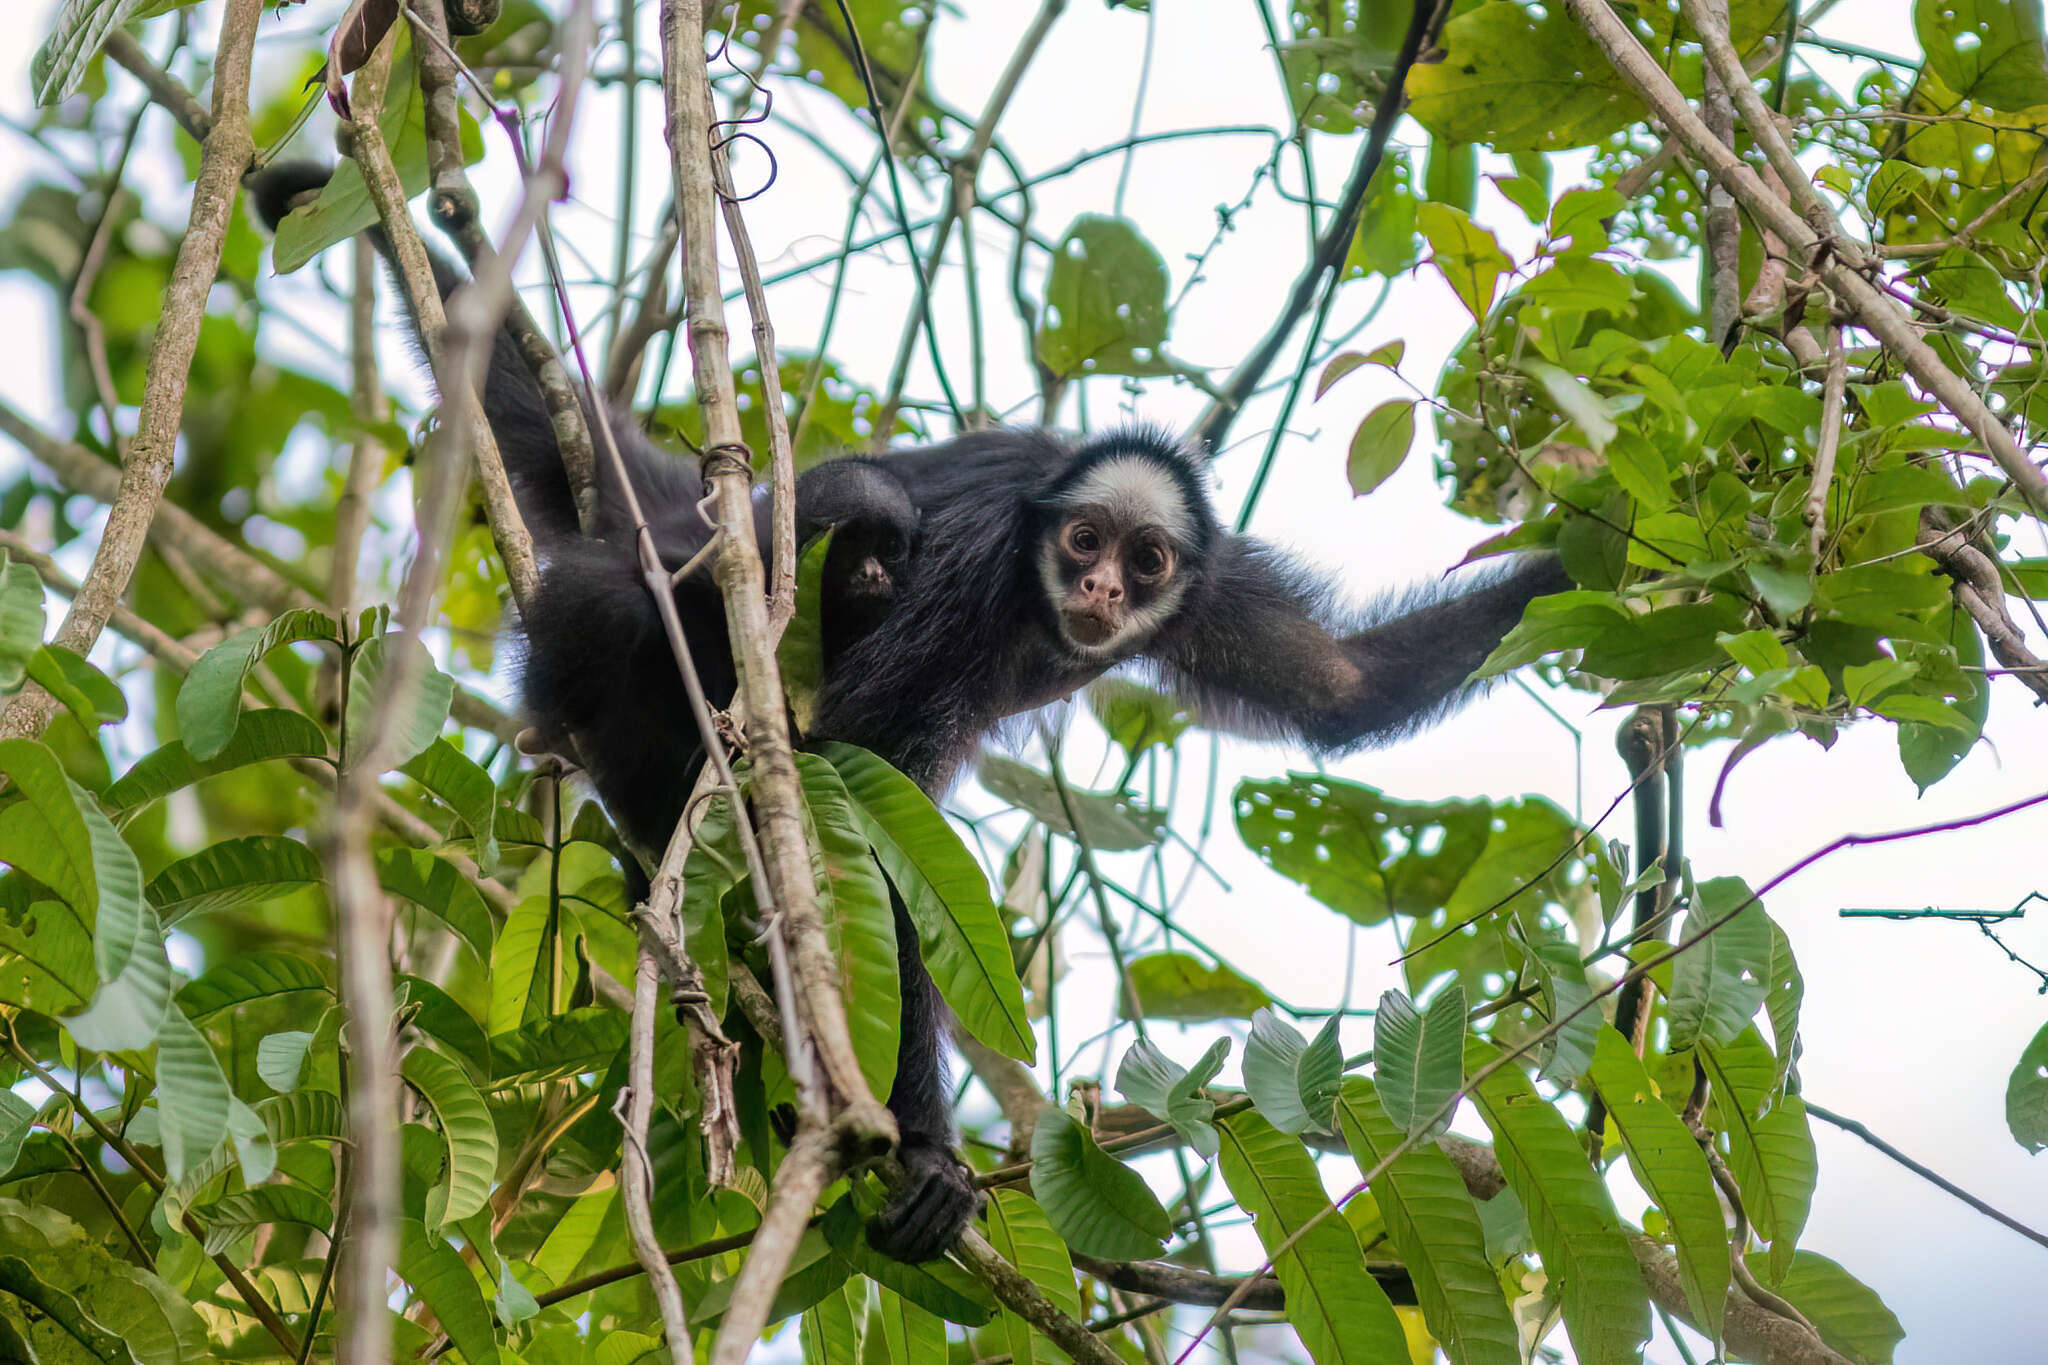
pixel 224 155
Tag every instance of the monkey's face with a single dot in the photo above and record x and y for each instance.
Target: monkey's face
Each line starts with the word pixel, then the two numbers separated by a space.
pixel 1112 563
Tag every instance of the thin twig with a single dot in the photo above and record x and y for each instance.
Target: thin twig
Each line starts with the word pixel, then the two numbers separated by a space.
pixel 1931 1176
pixel 1833 389
pixel 636 1172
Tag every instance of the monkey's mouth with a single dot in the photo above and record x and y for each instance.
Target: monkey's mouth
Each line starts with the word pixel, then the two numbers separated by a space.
pixel 1086 628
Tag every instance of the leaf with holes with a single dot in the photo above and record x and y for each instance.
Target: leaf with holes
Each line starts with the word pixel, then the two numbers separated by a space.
pixel 1105 308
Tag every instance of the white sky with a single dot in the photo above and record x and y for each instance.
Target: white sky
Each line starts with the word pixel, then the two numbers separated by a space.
pixel 1910 1027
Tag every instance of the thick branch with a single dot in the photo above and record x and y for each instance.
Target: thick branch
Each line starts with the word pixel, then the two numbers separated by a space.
pixel 223 156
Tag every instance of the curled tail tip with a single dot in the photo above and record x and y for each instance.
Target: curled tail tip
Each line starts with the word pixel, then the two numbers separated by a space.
pixel 273 190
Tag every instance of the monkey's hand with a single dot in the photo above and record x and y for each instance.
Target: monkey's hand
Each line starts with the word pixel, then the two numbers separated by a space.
pixel 932 1208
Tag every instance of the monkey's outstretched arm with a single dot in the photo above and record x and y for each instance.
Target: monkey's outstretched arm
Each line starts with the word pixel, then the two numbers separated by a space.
pixel 1257 655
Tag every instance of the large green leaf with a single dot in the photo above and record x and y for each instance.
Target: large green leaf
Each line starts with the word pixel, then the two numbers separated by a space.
pixel 436 1272
pixel 939 1286
pixel 467 1129
pixel 1718 984
pixel 1670 1166
pixel 303 1116
pixel 16 1114
pixel 1339 1310
pixel 1108 822
pixel 829 1332
pixel 2026 1095
pixel 210 701
pixel 250 976
pixel 909 1334
pixel 414 719
pixel 959 934
pixel 464 788
pixel 517 959
pixel 1848 1313
pixel 1518 77
pixel 236 1214
pixel 1099 1205
pixel 1991 51
pixel 58 1308
pixel 1293 1082
pixel 1418 1058
pixel 1183 988
pixel 801 652
pixel 86 692
pixel 57 835
pixel 437 1014
pixel 261 735
pixel 1153 1081
pixel 854 898
pixel 1435 1226
pixel 257 867
pixel 1105 302
pixel 192 1095
pixel 1770 1146
pixel 46 958
pixel 21 620
pixel 433 884
pixel 76 34
pixel 1570 1215
pixel 581 1040
pixel 1019 1230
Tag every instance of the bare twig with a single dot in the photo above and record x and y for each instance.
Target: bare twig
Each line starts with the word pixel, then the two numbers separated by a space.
pixel 223 156
pixel 163 88
pixel 636 1173
pixel 1832 392
pixel 1979 591
pixel 371 408
pixel 1931 1176
pixel 1723 227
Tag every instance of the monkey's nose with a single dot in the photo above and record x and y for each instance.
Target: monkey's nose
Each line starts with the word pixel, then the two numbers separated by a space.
pixel 1093 587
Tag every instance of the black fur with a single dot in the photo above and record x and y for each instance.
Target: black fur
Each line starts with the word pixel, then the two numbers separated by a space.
pixel 944 630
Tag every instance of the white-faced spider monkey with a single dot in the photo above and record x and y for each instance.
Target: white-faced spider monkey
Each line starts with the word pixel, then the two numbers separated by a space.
pixel 969 582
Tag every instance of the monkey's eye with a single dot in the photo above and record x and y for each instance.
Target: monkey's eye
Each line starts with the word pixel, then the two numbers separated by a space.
pixel 1152 561
pixel 1084 539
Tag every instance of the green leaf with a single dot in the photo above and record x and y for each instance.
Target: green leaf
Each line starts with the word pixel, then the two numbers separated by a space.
pixel 1848 1313
pixel 910 1335
pixel 1787 992
pixel 2026 1095
pixel 1718 984
pixel 1020 1231
pixel 414 719
pixel 464 788
pixel 436 1272
pixel 1109 822
pixel 250 976
pixel 1099 1205
pixel 1519 78
pixel 1418 1058
pixel 466 1128
pixel 210 701
pixel 1380 444
pixel 801 652
pixel 514 1302
pixel 436 887
pixel 1669 1165
pixel 1571 1217
pixel 715 865
pixel 1770 1146
pixel 76 35
pixel 85 691
pixel 939 1286
pixel 544 1049
pixel 1435 1227
pixel 1138 717
pixel 192 1095
pixel 229 1218
pixel 1292 1082
pixel 262 735
pixel 959 934
pixel 1339 1310
pixel 16 1116
pixel 1991 51
pixel 1183 988
pixel 1467 255
pixel 258 867
pixel 280 1057
pixel 1576 402
pixel 829 1332
pixel 21 620
pixel 518 967
pixel 1105 302
pixel 303 1116
pixel 859 920
pixel 46 958
pixel 19 1278
pixel 435 1013
pixel 57 835
pixel 1156 1083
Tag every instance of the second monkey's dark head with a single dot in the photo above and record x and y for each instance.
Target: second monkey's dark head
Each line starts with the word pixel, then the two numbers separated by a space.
pixel 874 527
pixel 1124 535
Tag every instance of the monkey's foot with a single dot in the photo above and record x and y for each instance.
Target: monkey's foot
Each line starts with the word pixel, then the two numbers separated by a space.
pixel 934 1205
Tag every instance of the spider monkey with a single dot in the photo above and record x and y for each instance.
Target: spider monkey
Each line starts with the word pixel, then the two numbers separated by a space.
pixel 984 577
